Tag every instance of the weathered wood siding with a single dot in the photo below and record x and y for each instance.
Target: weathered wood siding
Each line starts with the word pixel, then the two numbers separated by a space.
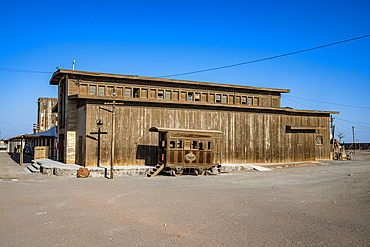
pixel 249 136
pixel 255 127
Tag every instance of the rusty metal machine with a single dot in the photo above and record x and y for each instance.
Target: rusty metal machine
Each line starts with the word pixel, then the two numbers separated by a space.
pixel 185 150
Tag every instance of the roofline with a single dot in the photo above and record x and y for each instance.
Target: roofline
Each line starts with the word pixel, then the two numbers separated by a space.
pixel 235 106
pixel 160 129
pixel 59 74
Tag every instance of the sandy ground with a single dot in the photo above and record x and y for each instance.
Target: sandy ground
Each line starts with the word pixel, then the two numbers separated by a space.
pixel 319 205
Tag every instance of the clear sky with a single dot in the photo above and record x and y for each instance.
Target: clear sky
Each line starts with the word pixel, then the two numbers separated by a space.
pixel 159 38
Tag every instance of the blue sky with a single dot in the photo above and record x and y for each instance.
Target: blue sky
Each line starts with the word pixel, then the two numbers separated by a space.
pixel 159 38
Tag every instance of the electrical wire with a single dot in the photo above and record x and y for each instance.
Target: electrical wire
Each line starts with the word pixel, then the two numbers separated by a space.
pixel 268 58
pixel 363 107
pixel 22 70
pixel 364 125
pixel 301 104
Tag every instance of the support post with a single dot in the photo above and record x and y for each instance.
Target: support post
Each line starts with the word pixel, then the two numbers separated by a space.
pixel 333 141
pixel 21 153
pixel 113 134
pixel 353 136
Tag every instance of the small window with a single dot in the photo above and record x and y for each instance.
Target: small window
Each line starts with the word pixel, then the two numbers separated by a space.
pixel 231 99
pixel 172 144
pixel 218 98
pixel 183 96
pixel 179 144
pixel 152 93
pixel 204 97
pixel 197 97
pixel 250 101
pixel 175 95
pixel 244 99
pixel 167 95
pixel 256 101
pixel 195 145
pixel 224 99
pixel 118 91
pixel 160 94
pixel 101 90
pixel 92 90
pixel 319 140
pixel 136 92
pixel 209 145
pixel 265 102
pixel 190 96
pixel 187 145
pixel 201 145
pixel 144 93
pixel 127 92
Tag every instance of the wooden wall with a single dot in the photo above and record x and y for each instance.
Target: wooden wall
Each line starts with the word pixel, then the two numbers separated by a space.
pixel 249 136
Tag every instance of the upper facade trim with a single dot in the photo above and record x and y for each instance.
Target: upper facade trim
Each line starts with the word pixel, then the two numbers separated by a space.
pixel 61 72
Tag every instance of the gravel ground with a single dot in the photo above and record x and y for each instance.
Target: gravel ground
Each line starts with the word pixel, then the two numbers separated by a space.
pixel 318 205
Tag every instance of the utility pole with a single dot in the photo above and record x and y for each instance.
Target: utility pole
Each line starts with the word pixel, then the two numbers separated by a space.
pixel 114 95
pixel 354 144
pixel 333 130
pixel 333 142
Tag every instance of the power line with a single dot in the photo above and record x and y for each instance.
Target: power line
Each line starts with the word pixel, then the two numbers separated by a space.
pixel 363 107
pixel 300 103
pixel 353 121
pixel 23 70
pixel 269 58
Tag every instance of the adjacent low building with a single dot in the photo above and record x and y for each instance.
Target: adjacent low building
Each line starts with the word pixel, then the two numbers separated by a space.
pixel 255 128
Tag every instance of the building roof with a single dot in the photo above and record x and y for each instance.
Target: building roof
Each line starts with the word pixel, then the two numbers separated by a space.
pixel 51 133
pixel 61 72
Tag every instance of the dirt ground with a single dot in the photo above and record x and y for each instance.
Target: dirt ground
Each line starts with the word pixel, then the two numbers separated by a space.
pixel 318 205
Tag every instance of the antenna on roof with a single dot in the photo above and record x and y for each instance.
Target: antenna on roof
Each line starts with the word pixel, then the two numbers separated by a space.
pixel 74 63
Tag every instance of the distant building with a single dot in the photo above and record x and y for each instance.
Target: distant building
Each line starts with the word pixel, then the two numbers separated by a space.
pixel 46 118
pixel 3 146
pixel 255 128
pixel 45 133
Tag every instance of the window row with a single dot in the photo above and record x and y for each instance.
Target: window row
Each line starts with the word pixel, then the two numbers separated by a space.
pixel 193 145
pixel 132 92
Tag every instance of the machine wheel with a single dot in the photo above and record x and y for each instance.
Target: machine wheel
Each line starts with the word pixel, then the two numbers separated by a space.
pixel 173 173
pixel 197 173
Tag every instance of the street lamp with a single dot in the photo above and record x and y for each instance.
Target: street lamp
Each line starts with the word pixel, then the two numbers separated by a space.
pixel 114 95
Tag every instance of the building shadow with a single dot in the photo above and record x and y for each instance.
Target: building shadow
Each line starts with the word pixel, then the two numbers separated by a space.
pixel 16 158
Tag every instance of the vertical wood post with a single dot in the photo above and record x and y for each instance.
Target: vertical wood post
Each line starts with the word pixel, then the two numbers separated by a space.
pixel 353 136
pixel 333 141
pixel 21 153
pixel 113 130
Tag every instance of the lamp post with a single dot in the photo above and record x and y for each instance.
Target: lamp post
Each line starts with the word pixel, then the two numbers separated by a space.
pixel 99 123
pixel 114 95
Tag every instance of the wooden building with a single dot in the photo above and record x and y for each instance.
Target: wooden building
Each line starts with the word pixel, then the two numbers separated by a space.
pixel 255 128
pixel 46 118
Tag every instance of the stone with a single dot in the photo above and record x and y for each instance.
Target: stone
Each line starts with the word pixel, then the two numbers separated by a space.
pixel 83 172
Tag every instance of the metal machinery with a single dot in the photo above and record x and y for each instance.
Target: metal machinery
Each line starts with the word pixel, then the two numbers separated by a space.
pixel 192 151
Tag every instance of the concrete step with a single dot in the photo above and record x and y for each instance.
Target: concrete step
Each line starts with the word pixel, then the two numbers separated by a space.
pixel 37 166
pixel 32 169
pixel 26 170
